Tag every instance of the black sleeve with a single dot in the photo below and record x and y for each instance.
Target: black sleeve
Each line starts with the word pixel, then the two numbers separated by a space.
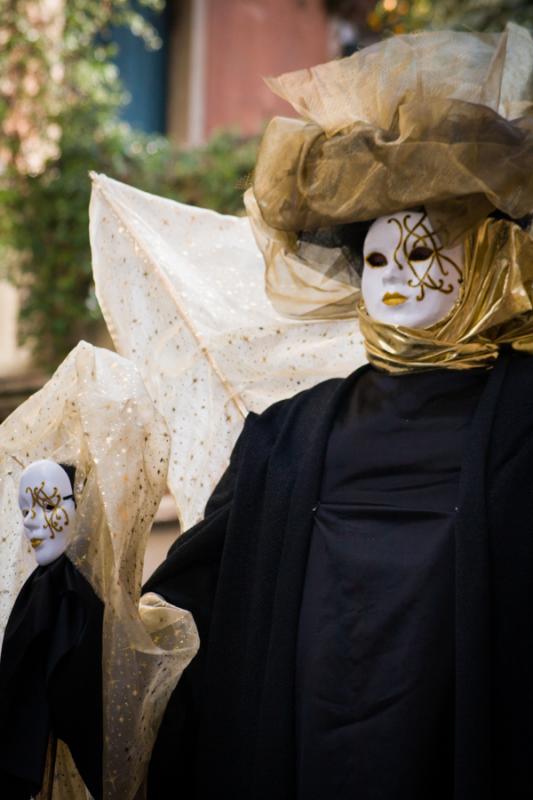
pixel 188 579
pixel 74 684
pixel 50 679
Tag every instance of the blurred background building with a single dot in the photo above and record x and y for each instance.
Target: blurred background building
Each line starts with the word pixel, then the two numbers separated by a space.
pixel 208 71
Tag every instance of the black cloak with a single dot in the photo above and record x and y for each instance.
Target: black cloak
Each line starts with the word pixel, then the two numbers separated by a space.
pixel 229 727
pixel 375 666
pixel 51 679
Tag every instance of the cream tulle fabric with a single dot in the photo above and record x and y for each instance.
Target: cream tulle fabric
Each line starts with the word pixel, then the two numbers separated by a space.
pixel 182 291
pixel 96 414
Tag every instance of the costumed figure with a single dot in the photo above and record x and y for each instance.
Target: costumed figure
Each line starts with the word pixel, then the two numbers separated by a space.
pixel 87 665
pixel 50 670
pixel 362 575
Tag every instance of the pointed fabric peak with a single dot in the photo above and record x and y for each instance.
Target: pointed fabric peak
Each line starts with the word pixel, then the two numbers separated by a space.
pixel 182 292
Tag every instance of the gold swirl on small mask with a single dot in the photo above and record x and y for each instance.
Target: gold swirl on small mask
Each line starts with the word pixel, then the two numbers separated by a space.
pixel 55 515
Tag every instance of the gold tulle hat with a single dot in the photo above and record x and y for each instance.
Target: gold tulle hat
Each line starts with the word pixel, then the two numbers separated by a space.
pixel 442 120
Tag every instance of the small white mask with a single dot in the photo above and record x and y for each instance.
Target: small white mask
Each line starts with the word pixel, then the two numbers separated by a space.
pixel 48 510
pixel 408 278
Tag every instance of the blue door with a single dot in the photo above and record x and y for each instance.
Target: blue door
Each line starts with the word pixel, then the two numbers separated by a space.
pixel 144 74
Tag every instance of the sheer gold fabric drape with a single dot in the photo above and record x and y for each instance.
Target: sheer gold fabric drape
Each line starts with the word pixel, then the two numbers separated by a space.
pixel 442 120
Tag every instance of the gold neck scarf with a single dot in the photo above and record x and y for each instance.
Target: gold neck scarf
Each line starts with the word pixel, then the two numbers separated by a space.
pixel 495 308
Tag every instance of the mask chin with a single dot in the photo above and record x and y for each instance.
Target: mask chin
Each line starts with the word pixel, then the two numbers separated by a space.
pixel 50 550
pixel 412 314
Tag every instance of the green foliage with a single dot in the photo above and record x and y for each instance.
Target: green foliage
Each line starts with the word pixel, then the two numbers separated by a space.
pixel 398 16
pixel 484 15
pixel 217 175
pixel 53 132
pixel 401 16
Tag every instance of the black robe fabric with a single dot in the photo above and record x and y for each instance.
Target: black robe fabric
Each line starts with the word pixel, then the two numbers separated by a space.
pixel 50 680
pixel 229 729
pixel 375 661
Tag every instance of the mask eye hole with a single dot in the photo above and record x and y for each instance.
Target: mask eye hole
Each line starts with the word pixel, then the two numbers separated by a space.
pixel 50 507
pixel 376 260
pixel 420 254
pixel 25 512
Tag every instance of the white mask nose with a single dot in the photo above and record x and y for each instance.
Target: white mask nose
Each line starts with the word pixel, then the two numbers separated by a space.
pixel 394 279
pixel 33 521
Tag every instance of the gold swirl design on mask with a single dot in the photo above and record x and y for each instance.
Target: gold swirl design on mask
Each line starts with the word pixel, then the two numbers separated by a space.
pixel 420 235
pixel 55 515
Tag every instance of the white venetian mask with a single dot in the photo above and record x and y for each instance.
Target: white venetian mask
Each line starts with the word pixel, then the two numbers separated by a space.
pixel 48 509
pixel 408 278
